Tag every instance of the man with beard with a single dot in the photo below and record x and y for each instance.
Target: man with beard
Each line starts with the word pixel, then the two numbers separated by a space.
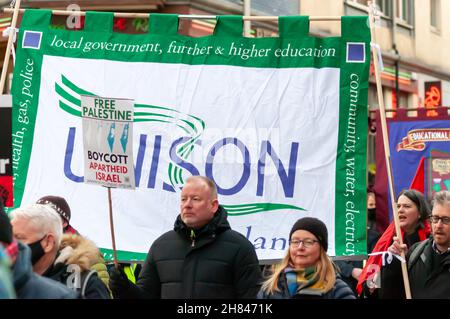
pixel 429 260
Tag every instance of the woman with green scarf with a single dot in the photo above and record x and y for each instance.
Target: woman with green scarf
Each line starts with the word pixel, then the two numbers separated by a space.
pixel 306 272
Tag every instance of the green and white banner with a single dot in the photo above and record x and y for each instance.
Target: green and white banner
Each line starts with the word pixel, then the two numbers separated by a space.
pixel 278 123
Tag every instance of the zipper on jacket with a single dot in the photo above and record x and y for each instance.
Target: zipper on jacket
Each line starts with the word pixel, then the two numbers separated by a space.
pixel 192 238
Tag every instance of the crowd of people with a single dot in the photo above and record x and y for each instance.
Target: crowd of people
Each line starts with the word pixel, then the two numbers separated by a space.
pixel 43 257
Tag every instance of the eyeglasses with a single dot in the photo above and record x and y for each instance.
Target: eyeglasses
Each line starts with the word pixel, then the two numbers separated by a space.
pixel 435 219
pixel 307 243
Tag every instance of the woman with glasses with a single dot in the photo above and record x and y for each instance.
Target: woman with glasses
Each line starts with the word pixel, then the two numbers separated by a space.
pixel 306 272
pixel 376 280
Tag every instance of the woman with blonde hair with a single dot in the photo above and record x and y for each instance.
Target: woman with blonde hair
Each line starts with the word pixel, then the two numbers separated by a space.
pixel 306 271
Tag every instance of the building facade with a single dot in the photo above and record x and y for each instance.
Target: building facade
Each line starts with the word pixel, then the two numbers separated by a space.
pixel 413 48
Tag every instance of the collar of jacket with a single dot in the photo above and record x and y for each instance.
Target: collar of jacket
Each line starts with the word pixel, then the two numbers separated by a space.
pixel 55 270
pixel 431 271
pixel 445 261
pixel 217 225
pixel 77 250
pixel 437 251
pixel 22 268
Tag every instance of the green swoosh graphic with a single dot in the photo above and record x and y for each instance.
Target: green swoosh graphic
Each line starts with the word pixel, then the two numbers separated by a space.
pixel 247 209
pixel 70 102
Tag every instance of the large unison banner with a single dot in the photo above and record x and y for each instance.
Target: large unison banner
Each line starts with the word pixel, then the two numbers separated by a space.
pixel 278 123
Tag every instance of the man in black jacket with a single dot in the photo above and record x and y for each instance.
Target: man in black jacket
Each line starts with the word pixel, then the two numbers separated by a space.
pixel 429 260
pixel 202 257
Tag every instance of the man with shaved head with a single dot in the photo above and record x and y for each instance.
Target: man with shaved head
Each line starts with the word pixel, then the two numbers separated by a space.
pixel 202 257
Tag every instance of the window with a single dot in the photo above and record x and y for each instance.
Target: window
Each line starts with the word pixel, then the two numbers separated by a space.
pixel 385 7
pixel 272 7
pixel 435 6
pixel 358 2
pixel 404 11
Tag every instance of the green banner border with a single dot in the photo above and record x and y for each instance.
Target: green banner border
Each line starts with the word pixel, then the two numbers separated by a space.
pixel 351 162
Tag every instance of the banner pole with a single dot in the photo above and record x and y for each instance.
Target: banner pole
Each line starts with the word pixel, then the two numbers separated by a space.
pixel 8 47
pixel 247 23
pixel 111 223
pixel 184 16
pixel 387 151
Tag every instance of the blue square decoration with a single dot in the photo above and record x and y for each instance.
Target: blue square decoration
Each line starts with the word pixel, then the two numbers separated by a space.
pixel 356 52
pixel 32 40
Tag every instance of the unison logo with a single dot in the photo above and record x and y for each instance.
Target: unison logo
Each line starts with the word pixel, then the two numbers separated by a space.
pixel 183 148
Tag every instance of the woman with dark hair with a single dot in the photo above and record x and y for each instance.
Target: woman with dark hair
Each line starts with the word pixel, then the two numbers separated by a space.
pixel 413 212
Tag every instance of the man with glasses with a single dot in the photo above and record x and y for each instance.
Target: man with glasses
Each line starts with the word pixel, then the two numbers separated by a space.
pixel 429 260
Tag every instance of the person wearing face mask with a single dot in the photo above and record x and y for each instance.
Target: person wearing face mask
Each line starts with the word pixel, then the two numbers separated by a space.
pixel 376 280
pixel 350 270
pixel 306 271
pixel 70 235
pixel 371 211
pixel 39 226
pixel 26 283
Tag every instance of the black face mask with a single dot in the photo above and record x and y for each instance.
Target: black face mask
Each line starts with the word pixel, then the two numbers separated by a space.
pixel 36 250
pixel 371 214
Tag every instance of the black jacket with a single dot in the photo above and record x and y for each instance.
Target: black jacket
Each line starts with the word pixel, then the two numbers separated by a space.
pixel 72 267
pixel 429 272
pixel 29 285
pixel 215 263
pixel 391 273
pixel 94 287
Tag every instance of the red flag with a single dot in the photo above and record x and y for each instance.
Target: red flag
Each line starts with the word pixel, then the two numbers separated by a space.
pixel 418 182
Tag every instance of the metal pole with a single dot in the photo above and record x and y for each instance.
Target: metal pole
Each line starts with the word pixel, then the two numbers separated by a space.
pixel 184 16
pixel 247 12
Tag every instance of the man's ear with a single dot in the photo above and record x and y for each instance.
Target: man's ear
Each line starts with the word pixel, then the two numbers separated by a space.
pixel 50 243
pixel 215 204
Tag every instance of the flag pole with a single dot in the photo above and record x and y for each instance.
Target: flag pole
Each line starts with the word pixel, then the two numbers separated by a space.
pixel 12 32
pixel 111 224
pixel 387 151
